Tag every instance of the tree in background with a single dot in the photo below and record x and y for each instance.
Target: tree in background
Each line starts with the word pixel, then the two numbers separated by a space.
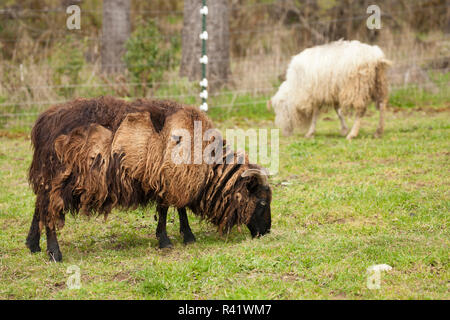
pixel 148 55
pixel 115 32
pixel 218 44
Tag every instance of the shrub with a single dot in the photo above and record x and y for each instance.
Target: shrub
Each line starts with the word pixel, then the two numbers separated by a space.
pixel 148 55
pixel 67 62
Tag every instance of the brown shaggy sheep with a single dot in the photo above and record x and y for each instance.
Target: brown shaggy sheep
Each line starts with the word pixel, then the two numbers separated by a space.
pixel 91 155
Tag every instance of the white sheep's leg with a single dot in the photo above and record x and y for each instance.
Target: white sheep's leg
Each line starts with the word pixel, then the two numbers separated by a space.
pixel 344 128
pixel 312 127
pixel 355 129
pixel 380 129
pixel 287 131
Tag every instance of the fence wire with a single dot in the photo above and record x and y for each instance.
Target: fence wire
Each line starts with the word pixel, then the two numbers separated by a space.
pixel 243 89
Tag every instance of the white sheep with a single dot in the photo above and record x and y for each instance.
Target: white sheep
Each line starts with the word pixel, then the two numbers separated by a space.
pixel 344 74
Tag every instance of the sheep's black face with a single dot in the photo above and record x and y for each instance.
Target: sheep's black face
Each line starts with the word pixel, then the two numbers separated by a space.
pixel 260 221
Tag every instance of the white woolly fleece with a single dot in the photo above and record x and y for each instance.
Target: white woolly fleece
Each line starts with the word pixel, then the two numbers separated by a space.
pixel 341 72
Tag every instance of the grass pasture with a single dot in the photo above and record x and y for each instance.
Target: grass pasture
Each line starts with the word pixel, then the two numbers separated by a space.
pixel 338 207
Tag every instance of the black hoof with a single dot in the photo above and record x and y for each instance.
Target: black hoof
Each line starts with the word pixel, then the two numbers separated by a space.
pixel 34 247
pixel 165 243
pixel 55 255
pixel 188 238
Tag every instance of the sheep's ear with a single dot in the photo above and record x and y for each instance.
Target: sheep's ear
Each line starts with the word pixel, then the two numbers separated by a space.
pixel 252 184
pixel 259 174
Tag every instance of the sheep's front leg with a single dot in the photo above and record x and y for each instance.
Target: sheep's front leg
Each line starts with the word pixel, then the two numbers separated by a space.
pixel 34 234
pixel 355 129
pixel 380 129
pixel 185 229
pixel 161 232
pixel 344 128
pixel 312 128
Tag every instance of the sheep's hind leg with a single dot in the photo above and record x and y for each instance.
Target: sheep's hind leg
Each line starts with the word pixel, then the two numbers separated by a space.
pixel 312 127
pixel 380 129
pixel 355 129
pixel 185 229
pixel 344 128
pixel 161 232
pixel 52 245
pixel 34 235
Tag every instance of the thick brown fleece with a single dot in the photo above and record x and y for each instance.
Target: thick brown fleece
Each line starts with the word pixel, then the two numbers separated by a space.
pixel 92 155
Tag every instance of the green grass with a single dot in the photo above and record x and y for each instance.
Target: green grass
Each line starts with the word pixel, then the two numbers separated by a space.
pixel 338 207
pixel 411 96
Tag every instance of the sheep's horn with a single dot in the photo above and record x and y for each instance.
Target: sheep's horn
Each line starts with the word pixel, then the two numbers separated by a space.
pixel 260 174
